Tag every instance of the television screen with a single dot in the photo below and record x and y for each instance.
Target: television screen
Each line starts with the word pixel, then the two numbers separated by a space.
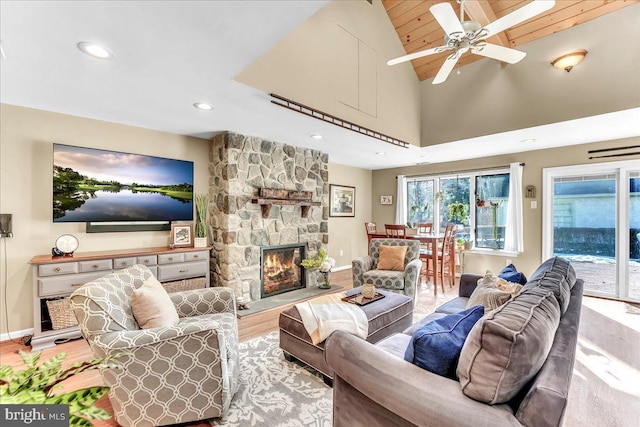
pixel 91 185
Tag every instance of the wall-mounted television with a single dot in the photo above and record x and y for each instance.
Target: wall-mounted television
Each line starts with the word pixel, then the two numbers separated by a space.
pixel 92 185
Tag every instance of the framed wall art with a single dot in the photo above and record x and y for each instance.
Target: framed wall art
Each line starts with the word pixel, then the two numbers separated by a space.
pixel 342 200
pixel 181 235
pixel 386 200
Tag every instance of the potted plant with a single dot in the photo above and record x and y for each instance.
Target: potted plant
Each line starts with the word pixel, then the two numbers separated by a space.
pixel 36 385
pixel 457 212
pixel 201 202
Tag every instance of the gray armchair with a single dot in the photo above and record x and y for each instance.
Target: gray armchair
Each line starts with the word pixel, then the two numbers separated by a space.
pixel 169 375
pixel 402 282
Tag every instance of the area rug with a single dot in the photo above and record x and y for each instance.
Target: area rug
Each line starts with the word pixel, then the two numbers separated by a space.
pixel 274 392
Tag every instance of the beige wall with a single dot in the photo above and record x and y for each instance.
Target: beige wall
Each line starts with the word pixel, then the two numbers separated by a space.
pixel 26 138
pixel 384 182
pixel 346 233
pixel 306 68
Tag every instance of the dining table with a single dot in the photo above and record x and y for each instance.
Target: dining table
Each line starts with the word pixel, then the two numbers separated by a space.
pixel 433 240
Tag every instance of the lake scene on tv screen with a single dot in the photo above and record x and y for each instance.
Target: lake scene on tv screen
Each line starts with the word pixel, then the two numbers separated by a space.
pixel 91 185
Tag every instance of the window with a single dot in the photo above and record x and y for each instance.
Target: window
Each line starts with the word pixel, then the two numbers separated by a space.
pixel 475 201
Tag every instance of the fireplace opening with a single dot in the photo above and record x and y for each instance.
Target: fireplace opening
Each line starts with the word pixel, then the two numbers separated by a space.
pixel 280 269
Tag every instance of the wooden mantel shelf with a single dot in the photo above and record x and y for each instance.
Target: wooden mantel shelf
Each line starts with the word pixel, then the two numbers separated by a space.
pixel 267 203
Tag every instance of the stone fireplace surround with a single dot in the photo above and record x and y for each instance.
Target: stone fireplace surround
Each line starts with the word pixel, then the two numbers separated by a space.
pixel 238 167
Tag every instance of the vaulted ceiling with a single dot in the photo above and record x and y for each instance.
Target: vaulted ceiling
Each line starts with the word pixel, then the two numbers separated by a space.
pixel 418 30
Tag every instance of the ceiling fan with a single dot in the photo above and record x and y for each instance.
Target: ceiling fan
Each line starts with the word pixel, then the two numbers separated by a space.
pixel 461 35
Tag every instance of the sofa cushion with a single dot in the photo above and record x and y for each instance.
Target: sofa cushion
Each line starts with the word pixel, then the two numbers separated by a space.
pixel 385 279
pixel 436 346
pixel 511 274
pixel 419 324
pixel 507 347
pixel 152 307
pixel 557 275
pixel 395 344
pixel 392 258
pixel 456 305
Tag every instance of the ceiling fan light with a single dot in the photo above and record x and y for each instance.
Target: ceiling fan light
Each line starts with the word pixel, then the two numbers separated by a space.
pixel 570 60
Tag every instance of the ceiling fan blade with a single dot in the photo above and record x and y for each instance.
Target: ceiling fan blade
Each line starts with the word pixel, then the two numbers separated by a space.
pixel 446 17
pixel 527 11
pixel 416 55
pixel 446 68
pixel 500 53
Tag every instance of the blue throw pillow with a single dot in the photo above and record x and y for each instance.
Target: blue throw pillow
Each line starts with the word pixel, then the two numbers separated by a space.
pixel 437 345
pixel 510 274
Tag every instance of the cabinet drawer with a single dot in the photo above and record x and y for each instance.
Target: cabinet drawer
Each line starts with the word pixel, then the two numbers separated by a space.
pixel 120 263
pixel 147 260
pixel 196 256
pixel 64 285
pixel 170 258
pixel 182 271
pixel 97 265
pixel 57 269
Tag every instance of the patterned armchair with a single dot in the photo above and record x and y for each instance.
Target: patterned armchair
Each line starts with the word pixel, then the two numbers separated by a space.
pixel 402 282
pixel 169 375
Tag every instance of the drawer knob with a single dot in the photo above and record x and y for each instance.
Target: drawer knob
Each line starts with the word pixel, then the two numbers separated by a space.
pixel 146 261
pixel 195 256
pixel 170 258
pixel 75 285
pixel 123 263
pixel 183 271
pixel 95 266
pixel 57 269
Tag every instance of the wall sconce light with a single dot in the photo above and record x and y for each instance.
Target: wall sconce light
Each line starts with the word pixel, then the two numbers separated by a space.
pixel 570 60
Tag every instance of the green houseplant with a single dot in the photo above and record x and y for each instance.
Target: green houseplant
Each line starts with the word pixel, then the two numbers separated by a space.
pixel 457 212
pixel 201 202
pixel 37 384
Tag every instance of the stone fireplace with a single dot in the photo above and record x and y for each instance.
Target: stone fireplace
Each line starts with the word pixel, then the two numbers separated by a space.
pixel 281 270
pixel 240 227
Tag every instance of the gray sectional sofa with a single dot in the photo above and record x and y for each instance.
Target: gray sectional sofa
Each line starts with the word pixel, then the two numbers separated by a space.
pixel 516 373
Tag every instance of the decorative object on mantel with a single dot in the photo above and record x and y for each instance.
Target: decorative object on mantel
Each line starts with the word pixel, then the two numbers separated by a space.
pixel 272 196
pixel 201 202
pixel 181 235
pixel 322 263
pixel 342 200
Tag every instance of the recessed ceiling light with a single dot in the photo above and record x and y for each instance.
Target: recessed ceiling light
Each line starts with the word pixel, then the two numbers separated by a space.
pixel 203 106
pixel 381 153
pixel 316 136
pixel 528 140
pixel 95 50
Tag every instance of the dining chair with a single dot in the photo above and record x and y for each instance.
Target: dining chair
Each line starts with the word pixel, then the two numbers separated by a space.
pixel 371 229
pixel 396 231
pixel 425 228
pixel 425 250
pixel 447 256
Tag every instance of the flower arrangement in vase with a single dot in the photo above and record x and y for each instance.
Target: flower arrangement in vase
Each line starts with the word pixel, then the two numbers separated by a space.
pixel 322 263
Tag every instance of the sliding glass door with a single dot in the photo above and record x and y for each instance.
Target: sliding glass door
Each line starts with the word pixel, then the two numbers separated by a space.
pixel 593 219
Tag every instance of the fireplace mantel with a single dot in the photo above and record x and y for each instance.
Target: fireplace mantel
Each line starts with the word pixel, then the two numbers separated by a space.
pixel 267 204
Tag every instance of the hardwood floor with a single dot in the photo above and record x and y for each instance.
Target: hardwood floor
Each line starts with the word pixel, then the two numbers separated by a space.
pixel 604 389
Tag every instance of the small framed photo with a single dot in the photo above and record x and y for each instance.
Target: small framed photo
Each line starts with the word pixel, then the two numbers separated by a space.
pixel 181 235
pixel 342 200
pixel 386 200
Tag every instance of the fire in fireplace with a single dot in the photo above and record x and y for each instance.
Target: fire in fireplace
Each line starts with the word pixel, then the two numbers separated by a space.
pixel 281 270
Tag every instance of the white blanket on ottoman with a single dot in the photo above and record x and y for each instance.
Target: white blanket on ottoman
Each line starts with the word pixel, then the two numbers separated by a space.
pixel 323 315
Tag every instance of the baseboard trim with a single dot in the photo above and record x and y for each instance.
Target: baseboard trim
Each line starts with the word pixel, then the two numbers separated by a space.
pixel 15 335
pixel 344 267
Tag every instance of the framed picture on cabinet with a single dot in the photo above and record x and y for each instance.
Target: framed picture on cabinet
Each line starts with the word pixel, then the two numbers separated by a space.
pixel 181 235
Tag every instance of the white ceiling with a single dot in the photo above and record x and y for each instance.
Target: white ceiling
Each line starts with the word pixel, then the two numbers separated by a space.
pixel 171 54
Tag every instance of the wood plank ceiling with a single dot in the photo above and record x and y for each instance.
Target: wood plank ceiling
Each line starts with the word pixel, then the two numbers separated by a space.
pixel 418 30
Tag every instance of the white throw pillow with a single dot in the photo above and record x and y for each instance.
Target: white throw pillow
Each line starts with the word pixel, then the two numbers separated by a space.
pixel 152 307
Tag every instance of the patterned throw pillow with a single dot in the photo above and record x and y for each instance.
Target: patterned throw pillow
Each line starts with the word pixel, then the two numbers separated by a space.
pixel 152 307
pixel 392 258
pixel 491 292
pixel 437 345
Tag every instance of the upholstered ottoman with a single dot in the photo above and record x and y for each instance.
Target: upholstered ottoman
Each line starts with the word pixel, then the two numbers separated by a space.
pixel 391 314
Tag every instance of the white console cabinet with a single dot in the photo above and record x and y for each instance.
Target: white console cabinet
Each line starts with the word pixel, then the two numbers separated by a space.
pixel 55 277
